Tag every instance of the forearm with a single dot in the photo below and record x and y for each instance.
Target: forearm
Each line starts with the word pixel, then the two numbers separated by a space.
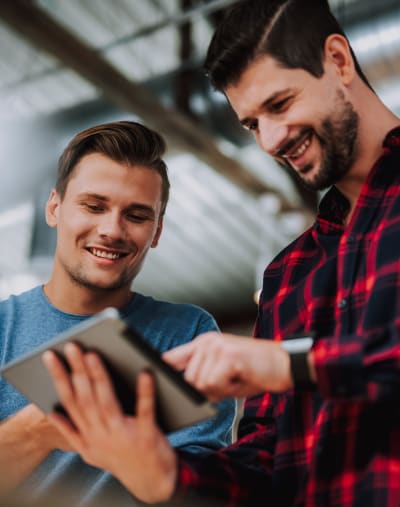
pixel 223 477
pixel 233 475
pixel 22 447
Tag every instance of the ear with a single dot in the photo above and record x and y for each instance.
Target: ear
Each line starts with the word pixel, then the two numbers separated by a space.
pixel 154 243
pixel 52 208
pixel 337 53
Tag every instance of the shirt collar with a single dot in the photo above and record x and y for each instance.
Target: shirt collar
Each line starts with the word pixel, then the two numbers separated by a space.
pixel 334 206
pixel 392 139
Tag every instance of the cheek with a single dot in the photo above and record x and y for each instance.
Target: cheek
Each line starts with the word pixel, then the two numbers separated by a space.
pixel 144 236
pixel 313 110
pixel 73 225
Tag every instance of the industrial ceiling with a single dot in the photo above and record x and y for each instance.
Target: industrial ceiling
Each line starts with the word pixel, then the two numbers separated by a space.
pixel 68 64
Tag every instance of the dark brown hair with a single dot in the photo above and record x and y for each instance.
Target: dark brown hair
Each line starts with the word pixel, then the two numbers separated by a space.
pixel 128 142
pixel 293 32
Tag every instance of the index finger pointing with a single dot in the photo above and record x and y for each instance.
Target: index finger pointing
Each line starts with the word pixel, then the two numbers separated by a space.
pixel 180 356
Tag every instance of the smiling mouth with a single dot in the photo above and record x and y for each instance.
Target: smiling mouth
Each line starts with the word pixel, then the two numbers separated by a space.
pixel 104 254
pixel 296 148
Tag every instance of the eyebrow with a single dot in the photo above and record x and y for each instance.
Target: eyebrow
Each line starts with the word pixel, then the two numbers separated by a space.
pixel 267 102
pixel 93 195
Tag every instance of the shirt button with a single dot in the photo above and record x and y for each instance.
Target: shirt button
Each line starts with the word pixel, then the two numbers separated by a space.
pixel 341 390
pixel 342 303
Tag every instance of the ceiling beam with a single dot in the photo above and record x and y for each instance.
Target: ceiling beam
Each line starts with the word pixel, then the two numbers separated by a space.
pixel 180 131
pixel 185 16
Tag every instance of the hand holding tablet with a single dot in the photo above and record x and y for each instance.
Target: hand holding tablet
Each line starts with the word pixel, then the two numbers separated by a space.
pixel 124 354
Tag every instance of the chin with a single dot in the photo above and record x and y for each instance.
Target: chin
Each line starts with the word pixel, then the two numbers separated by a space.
pixel 309 180
pixel 99 285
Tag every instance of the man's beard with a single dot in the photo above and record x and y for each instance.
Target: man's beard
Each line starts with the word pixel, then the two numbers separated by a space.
pixel 338 140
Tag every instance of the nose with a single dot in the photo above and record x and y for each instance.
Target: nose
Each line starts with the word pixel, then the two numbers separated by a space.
pixel 271 135
pixel 110 225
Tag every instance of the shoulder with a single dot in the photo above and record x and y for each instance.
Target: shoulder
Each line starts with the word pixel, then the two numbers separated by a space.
pixel 22 323
pixel 297 257
pixel 15 303
pixel 170 310
pixel 294 250
pixel 166 324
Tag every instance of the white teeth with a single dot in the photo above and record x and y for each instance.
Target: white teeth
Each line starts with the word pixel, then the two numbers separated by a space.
pixel 105 255
pixel 300 150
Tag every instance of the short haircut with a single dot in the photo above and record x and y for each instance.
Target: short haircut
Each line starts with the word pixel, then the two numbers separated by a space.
pixel 293 32
pixel 127 142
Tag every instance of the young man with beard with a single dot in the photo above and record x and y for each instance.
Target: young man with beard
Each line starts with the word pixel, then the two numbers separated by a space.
pixel 108 207
pixel 321 424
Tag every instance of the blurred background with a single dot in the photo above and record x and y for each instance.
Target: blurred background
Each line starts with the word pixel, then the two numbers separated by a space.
pixel 69 64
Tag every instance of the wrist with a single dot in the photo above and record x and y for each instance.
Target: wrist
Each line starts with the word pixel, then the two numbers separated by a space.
pixel 301 361
pixel 158 487
pixel 38 429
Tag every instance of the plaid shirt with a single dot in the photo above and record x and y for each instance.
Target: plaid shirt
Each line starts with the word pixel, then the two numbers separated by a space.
pixel 339 445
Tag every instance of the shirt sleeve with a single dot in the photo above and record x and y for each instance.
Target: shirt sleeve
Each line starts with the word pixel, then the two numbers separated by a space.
pixel 360 367
pixel 240 474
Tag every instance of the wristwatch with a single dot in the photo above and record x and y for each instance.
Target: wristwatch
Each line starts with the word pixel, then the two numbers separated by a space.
pixel 298 348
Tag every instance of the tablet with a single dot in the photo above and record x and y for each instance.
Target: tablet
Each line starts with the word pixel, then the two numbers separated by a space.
pixel 125 353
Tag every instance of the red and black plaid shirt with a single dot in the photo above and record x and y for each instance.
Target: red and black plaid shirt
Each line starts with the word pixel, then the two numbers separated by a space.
pixel 340 445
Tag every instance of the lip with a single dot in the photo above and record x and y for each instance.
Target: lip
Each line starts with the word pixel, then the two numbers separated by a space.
pixel 106 256
pixel 297 154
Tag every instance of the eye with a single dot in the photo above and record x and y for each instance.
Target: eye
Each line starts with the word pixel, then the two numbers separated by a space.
pixel 251 125
pixel 277 107
pixel 94 208
pixel 137 218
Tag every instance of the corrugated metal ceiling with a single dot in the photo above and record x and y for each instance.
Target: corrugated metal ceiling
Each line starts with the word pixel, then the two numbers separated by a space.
pixel 218 232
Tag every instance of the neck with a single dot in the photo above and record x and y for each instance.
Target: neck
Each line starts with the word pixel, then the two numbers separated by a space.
pixel 375 121
pixel 80 300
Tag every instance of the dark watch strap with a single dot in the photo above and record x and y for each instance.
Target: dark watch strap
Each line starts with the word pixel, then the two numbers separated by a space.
pixel 298 349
